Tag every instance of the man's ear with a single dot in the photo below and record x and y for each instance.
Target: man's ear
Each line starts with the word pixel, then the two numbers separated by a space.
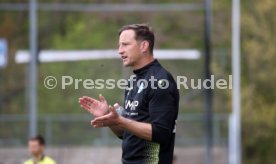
pixel 144 46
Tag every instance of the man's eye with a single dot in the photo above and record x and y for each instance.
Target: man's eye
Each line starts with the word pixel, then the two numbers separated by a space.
pixel 123 44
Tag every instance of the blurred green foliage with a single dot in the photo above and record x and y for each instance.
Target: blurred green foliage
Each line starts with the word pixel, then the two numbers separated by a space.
pixel 84 30
pixel 259 76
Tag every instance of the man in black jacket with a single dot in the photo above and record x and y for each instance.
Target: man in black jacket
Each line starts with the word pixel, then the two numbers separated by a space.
pixel 146 124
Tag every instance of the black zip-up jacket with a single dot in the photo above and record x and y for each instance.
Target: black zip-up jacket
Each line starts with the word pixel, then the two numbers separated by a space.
pixel 154 105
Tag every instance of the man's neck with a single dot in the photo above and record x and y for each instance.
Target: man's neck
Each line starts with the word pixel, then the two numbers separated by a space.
pixel 38 157
pixel 144 62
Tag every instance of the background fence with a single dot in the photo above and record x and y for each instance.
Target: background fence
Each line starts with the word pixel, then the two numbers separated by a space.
pixel 70 130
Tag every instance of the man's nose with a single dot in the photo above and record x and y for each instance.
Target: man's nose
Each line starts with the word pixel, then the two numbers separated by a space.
pixel 121 50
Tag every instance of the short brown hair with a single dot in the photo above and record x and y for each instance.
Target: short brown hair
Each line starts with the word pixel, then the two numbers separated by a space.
pixel 142 32
pixel 39 139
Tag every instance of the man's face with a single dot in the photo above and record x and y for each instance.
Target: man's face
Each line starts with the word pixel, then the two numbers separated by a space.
pixel 129 48
pixel 35 148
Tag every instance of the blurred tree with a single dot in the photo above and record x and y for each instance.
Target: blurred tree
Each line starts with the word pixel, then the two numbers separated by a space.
pixel 65 30
pixel 259 76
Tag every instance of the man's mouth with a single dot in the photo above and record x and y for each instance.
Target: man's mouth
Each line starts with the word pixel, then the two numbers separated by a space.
pixel 124 58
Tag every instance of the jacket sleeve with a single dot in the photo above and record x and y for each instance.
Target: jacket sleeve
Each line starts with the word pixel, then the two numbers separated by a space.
pixel 163 109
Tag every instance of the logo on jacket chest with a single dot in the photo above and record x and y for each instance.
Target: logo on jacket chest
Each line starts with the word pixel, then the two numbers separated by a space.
pixel 131 104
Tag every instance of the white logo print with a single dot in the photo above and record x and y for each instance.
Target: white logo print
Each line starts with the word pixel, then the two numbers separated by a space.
pixel 174 130
pixel 131 104
pixel 141 87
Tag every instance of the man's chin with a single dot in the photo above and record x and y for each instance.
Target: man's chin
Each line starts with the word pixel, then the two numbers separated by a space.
pixel 126 64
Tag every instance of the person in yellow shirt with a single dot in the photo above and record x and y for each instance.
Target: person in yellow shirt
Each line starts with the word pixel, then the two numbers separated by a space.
pixel 36 147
